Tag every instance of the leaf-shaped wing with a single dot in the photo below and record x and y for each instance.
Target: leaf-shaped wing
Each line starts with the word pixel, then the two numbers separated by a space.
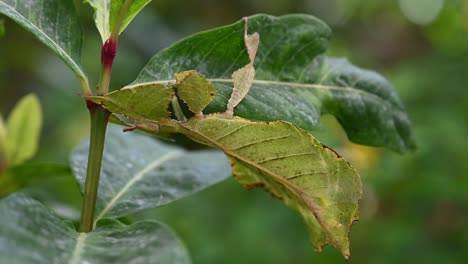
pixel 145 102
pixel 195 90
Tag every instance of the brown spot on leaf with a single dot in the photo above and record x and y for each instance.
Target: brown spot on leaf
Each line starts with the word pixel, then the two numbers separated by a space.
pixel 332 150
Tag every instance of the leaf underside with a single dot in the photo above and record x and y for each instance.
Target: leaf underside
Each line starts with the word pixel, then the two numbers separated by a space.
pixel 139 172
pixel 31 233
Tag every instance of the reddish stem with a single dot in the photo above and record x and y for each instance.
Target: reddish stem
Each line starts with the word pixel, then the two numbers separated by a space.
pixel 108 51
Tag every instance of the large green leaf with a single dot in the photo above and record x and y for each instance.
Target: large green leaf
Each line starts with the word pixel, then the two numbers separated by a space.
pixel 23 130
pixel 291 164
pixel 107 13
pixel 294 81
pixel 139 172
pixel 55 23
pixel 30 233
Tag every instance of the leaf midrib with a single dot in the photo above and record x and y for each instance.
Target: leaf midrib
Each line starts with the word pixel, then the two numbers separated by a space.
pixel 80 241
pixel 65 54
pixel 280 83
pixel 106 19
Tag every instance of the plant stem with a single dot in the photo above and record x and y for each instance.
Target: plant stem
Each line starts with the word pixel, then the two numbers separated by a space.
pixel 109 50
pixel 99 117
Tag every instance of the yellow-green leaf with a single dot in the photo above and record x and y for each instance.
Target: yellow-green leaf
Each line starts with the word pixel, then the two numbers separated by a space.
pixel 291 164
pixel 195 90
pixel 23 130
pixel 144 102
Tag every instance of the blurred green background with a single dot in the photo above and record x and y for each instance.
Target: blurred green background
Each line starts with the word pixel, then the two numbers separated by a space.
pixel 415 207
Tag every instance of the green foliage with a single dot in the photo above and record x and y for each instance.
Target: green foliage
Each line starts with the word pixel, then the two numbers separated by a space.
pixel 140 172
pixel 23 130
pixel 45 238
pixel 294 81
pixel 279 72
pixel 331 207
pixel 46 20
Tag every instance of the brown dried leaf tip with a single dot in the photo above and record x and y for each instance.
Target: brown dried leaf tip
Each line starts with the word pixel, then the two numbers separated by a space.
pixel 244 77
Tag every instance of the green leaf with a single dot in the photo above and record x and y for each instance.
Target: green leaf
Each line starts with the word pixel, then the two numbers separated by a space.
pixel 135 7
pixel 294 81
pixel 30 233
pixel 107 13
pixel 139 172
pixel 195 90
pixel 23 130
pixel 55 23
pixel 294 167
pixel 20 176
pixel 145 102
